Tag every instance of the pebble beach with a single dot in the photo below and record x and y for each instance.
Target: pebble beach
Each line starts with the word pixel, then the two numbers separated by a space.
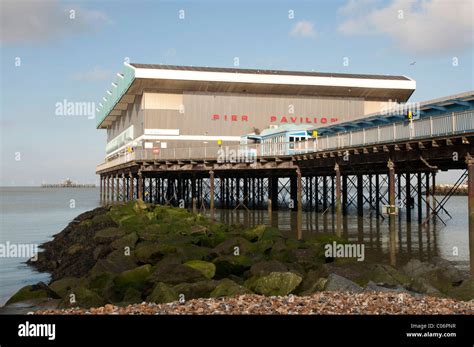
pixel 324 303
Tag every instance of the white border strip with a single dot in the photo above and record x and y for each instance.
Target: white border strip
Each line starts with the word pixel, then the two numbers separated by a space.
pixel 274 79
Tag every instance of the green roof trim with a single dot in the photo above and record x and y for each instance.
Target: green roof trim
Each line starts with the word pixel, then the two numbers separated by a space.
pixel 117 92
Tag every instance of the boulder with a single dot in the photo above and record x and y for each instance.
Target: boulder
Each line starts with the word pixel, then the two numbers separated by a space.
pixel 204 267
pixel 162 293
pixel 117 261
pixel 35 291
pixel 192 252
pixel 341 284
pixel 108 235
pixel 151 232
pixel 135 278
pixel 274 284
pixel 266 267
pixel 129 240
pixel 317 286
pixel 388 276
pixel 227 287
pixel 201 289
pixel 464 291
pixel 228 246
pixel 231 264
pixel 151 252
pixel 82 297
pixel 103 284
pixel 175 273
pixel 65 285
pixel 131 296
pixel 140 206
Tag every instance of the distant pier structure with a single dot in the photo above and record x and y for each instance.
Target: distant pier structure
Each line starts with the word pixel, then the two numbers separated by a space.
pixel 67 184
pixel 174 137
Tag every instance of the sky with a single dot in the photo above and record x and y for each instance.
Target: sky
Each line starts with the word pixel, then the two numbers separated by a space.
pixel 54 52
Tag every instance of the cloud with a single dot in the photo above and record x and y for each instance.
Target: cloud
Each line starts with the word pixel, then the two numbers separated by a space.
pixel 419 26
pixel 43 21
pixel 303 28
pixel 94 75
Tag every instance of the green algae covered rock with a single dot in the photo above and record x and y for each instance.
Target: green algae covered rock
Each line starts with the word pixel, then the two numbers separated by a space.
pixel 175 274
pixel 204 267
pixel 82 297
pixel 135 278
pixel 274 284
pixel 35 291
pixel 162 293
pixel 227 287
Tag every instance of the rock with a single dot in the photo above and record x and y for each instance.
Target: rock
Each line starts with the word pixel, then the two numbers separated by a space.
pixel 310 279
pixel 129 240
pixel 151 232
pixel 102 221
pixel 108 235
pixel 415 268
pixel 82 297
pixel 174 274
pixel 275 283
pixel 305 257
pixel 339 283
pixel 231 264
pixel 25 307
pixel 65 285
pixel 263 246
pixel 265 267
pixel 373 287
pixel 135 278
pixel 35 291
pixel 206 268
pixel 75 248
pixel 162 293
pixel 317 286
pixel 228 246
pixel 192 252
pixel 432 278
pixel 131 296
pixel 151 252
pixel 117 261
pixel 139 206
pixel 201 289
pixel 227 287
pixel 255 233
pixel 388 276
pixel 134 223
pixel 464 291
pixel 103 284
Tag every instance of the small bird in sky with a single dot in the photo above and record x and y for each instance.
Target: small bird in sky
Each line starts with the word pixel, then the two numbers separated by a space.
pixel 413 63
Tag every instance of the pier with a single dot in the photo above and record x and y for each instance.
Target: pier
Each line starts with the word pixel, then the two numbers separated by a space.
pixel 337 144
pixel 362 171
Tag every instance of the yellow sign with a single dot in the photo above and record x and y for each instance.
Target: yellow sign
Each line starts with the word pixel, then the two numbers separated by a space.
pixel 219 142
pixel 129 149
pixel 315 133
pixel 410 115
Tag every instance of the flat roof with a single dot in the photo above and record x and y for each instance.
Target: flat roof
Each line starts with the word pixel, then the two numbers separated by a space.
pixel 176 79
pixel 265 72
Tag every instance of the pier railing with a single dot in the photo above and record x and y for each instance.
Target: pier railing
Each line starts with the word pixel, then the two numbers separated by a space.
pixel 452 124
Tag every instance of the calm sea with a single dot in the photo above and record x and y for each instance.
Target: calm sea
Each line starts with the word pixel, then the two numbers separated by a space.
pixel 34 215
